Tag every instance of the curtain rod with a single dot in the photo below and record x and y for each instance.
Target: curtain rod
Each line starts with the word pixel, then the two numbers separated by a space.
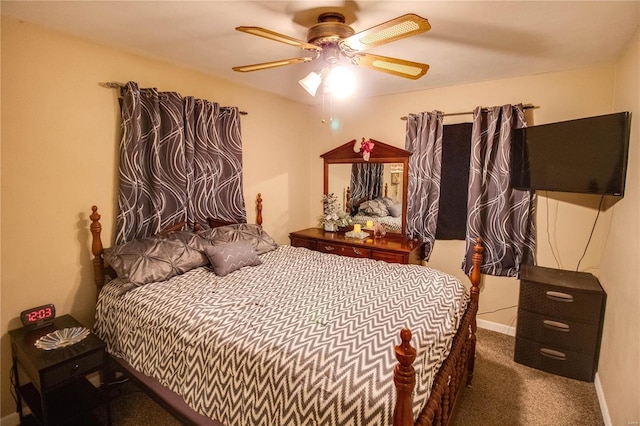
pixel 116 85
pixel 527 106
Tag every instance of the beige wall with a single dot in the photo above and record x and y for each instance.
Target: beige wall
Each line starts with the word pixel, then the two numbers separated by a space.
pixel 60 133
pixel 560 96
pixel 619 271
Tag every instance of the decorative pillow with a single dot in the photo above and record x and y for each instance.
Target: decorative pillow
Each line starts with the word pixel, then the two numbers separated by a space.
pixel 153 259
pixel 188 238
pixel 395 210
pixel 374 208
pixel 228 257
pixel 388 202
pixel 254 234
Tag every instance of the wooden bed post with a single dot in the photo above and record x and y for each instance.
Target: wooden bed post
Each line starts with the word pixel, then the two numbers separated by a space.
pixel 475 277
pixel 259 209
pixel 347 200
pixel 404 377
pixel 476 274
pixel 96 250
pixel 439 409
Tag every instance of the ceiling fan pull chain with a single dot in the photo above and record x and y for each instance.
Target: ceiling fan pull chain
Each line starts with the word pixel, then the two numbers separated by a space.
pixel 323 120
pixel 330 107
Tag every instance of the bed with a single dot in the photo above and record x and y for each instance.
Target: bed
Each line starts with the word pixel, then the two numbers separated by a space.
pixel 383 210
pixel 291 336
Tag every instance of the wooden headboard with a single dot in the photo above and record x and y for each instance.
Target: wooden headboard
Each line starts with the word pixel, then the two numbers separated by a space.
pixel 101 271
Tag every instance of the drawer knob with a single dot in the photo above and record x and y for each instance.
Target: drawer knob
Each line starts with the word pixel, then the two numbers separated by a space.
pixel 550 353
pixel 329 248
pixel 559 296
pixel 555 325
pixel 356 251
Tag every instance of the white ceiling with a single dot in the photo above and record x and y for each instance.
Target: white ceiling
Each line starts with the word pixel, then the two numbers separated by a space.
pixel 469 41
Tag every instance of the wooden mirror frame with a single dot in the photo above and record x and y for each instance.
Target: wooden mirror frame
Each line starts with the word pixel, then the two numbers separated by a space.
pixel 381 153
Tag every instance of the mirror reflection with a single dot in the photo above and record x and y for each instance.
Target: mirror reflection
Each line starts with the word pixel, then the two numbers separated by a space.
pixel 370 192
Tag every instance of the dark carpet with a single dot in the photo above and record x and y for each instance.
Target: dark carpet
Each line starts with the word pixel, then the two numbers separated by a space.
pixel 503 393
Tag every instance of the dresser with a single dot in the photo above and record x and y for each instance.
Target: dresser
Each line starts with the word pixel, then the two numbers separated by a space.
pixel 392 248
pixel 560 316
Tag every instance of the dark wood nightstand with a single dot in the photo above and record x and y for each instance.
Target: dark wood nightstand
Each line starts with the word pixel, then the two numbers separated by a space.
pixel 59 392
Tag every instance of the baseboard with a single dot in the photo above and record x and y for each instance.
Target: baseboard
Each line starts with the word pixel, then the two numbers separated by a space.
pixel 604 409
pixel 494 326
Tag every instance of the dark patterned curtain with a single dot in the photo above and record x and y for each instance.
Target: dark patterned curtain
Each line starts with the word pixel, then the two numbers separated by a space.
pixel 501 216
pixel 180 160
pixel 366 181
pixel 424 140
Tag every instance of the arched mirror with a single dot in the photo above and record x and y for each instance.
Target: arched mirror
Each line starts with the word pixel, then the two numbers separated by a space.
pixel 373 190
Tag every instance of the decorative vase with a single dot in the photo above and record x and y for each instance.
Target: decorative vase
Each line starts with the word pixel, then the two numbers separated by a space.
pixel 330 226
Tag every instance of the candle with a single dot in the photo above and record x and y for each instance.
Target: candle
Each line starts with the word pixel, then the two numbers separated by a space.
pixel 369 224
pixel 357 228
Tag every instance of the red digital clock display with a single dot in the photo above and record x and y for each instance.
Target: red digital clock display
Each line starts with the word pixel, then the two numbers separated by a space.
pixel 40 316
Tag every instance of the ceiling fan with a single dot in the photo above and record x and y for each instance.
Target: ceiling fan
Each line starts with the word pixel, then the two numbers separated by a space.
pixel 331 37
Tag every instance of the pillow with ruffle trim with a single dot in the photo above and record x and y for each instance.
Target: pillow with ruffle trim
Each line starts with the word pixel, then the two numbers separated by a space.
pixel 248 232
pixel 156 258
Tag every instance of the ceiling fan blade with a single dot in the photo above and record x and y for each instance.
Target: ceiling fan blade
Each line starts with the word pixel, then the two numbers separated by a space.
pixel 273 64
pixel 395 66
pixel 395 29
pixel 272 35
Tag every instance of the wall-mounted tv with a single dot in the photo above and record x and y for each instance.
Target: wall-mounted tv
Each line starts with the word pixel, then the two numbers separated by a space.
pixel 587 155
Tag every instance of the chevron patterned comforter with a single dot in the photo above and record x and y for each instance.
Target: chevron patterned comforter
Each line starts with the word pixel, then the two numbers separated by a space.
pixel 305 338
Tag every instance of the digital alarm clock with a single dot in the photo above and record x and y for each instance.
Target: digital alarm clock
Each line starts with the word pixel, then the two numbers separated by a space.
pixel 40 316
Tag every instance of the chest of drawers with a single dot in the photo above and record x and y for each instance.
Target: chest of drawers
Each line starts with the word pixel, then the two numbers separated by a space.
pixel 560 316
pixel 393 248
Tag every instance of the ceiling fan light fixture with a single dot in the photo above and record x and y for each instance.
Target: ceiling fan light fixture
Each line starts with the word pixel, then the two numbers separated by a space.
pixel 311 82
pixel 340 82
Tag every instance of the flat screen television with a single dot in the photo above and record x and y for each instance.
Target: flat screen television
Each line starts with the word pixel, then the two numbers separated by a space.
pixel 587 155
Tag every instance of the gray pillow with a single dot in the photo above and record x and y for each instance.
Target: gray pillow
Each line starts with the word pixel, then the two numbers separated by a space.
pixel 388 202
pixel 188 238
pixel 153 259
pixel 374 208
pixel 254 234
pixel 395 210
pixel 228 257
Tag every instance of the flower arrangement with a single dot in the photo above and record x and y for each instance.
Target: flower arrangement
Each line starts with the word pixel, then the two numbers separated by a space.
pixel 333 215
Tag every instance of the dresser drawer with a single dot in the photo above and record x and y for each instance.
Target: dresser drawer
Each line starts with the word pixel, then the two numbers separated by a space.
pixel 342 250
pixel 388 256
pixel 561 302
pixel 559 333
pixel 554 360
pixel 73 369
pixel 303 242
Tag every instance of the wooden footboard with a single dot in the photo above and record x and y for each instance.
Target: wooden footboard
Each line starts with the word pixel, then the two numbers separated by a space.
pixel 455 373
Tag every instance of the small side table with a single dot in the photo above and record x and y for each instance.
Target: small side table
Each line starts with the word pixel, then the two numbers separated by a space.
pixel 59 392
